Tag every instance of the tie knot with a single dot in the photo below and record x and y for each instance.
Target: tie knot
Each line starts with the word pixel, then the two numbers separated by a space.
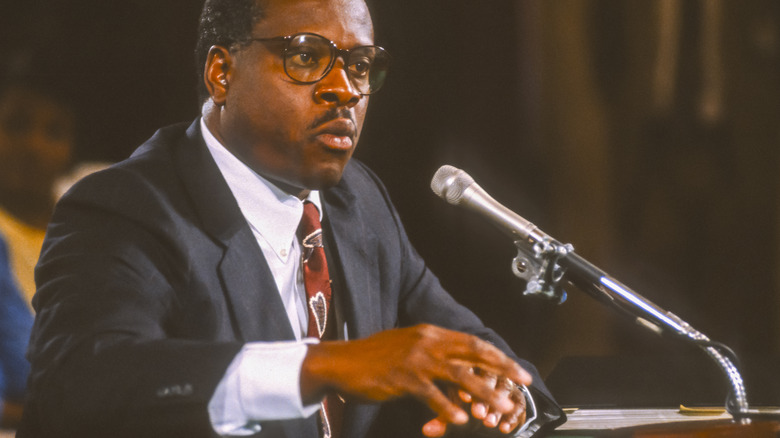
pixel 310 222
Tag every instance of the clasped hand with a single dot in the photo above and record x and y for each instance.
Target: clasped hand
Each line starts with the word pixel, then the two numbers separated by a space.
pixel 418 361
pixel 490 416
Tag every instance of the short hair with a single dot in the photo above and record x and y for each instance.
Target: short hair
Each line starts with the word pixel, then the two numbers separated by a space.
pixel 223 23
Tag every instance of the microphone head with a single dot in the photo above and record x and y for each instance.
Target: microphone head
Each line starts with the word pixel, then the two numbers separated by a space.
pixel 449 183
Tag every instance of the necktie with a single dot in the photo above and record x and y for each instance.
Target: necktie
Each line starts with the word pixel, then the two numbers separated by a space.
pixel 318 299
pixel 315 271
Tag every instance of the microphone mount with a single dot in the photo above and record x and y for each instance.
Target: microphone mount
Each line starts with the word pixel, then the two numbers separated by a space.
pixel 538 265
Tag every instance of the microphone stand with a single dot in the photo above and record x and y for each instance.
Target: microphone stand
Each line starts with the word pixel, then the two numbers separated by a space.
pixel 545 263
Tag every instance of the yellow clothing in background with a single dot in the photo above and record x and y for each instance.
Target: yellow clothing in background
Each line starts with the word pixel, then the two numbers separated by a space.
pixel 24 247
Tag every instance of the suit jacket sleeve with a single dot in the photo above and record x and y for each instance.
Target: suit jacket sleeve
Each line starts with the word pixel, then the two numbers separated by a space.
pixel 117 349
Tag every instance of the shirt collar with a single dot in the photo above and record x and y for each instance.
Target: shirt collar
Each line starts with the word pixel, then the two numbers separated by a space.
pixel 272 212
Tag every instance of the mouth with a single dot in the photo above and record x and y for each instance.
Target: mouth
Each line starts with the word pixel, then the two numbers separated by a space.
pixel 337 134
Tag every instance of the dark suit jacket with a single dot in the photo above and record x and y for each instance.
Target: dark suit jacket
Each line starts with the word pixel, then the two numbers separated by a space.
pixel 150 281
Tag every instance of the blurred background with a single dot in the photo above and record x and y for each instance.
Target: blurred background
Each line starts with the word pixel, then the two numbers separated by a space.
pixel 644 132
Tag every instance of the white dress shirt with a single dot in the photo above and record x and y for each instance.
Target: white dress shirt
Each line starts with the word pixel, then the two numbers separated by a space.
pixel 263 381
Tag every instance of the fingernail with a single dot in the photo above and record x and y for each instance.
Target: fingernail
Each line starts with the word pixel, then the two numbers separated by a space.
pixel 432 430
pixel 491 420
pixel 479 410
pixel 461 418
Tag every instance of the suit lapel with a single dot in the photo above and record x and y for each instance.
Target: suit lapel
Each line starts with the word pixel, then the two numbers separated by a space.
pixel 251 291
pixel 352 242
pixel 248 284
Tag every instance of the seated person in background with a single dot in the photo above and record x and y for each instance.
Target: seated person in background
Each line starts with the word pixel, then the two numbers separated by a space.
pixel 37 135
pixel 243 276
pixel 16 320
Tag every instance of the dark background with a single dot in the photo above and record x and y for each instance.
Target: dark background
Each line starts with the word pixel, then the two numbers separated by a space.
pixel 549 106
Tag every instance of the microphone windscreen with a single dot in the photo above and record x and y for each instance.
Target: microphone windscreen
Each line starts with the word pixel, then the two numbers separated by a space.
pixel 449 183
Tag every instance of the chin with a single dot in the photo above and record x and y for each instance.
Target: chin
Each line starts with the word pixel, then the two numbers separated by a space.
pixel 324 183
pixel 325 179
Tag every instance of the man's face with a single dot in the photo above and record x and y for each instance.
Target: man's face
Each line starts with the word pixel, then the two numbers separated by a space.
pixel 36 142
pixel 299 135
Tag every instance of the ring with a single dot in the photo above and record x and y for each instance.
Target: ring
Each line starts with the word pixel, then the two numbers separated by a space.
pixel 508 384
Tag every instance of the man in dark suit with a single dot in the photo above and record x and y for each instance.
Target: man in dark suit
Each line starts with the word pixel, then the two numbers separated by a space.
pixel 171 295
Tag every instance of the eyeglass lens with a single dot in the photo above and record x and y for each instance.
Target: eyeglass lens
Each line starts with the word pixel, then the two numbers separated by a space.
pixel 309 57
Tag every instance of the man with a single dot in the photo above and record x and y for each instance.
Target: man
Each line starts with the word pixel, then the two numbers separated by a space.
pixel 37 138
pixel 170 299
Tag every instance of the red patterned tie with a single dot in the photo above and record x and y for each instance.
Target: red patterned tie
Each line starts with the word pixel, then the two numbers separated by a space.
pixel 318 298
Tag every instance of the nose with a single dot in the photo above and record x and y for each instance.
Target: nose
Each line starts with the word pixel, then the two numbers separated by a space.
pixel 336 88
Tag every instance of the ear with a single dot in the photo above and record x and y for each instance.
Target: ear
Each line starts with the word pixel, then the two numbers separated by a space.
pixel 217 73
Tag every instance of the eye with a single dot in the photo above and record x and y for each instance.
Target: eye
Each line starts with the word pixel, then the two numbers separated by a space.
pixel 303 58
pixel 360 67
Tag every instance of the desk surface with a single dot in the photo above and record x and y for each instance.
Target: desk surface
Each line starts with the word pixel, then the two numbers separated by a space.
pixel 656 423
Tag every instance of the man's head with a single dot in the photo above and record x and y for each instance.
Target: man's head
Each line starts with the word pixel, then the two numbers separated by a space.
pixel 298 133
pixel 37 132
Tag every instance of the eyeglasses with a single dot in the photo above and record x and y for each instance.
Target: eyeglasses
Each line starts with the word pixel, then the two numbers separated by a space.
pixel 309 57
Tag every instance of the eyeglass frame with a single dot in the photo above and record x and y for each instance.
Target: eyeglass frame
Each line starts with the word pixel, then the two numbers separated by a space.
pixel 335 50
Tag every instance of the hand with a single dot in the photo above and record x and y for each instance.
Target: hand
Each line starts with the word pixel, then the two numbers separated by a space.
pixel 506 421
pixel 411 361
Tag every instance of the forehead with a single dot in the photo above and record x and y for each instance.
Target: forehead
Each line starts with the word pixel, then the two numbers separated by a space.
pixel 346 22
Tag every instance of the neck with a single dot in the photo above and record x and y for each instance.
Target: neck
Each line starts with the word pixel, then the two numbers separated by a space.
pixel 212 117
pixel 295 191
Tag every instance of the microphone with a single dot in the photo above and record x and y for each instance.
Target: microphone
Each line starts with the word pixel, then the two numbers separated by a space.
pixel 458 188
pixel 550 262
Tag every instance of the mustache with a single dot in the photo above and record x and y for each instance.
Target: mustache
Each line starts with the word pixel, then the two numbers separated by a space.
pixel 333 114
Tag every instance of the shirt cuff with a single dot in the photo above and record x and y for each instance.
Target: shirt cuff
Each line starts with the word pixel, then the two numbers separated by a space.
pixel 530 413
pixel 534 419
pixel 262 383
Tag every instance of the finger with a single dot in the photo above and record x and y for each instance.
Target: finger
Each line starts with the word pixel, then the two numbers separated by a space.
pixel 434 428
pixel 465 397
pixel 506 387
pixel 510 422
pixel 491 420
pixel 490 378
pixel 479 410
pixel 481 389
pixel 487 357
pixel 447 411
